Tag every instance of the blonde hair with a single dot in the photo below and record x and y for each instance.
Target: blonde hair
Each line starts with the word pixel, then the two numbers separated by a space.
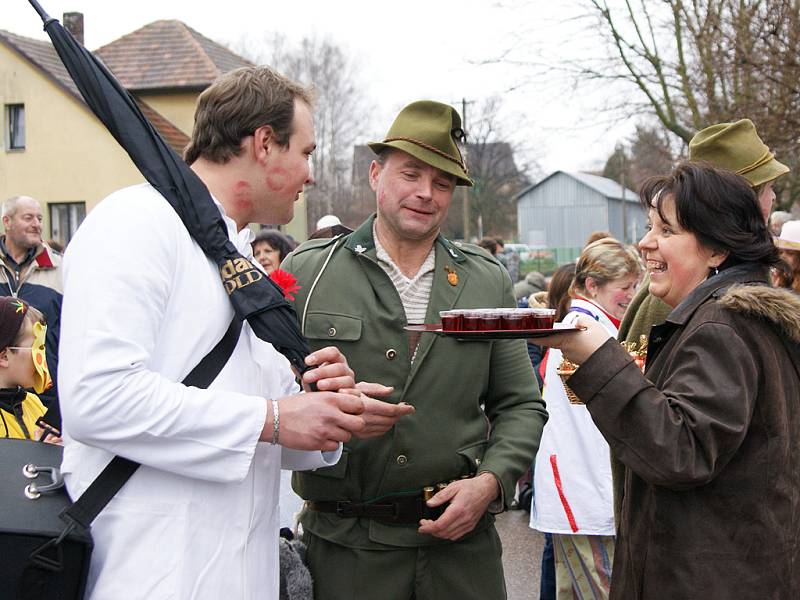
pixel 605 260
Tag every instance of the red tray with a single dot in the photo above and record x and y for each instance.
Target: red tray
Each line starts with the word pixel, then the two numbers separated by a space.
pixel 493 334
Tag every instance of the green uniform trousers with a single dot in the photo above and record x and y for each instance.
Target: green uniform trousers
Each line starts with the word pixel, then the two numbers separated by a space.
pixel 468 569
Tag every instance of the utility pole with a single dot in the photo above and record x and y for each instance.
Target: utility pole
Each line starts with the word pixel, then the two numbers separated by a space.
pixel 464 188
pixel 624 200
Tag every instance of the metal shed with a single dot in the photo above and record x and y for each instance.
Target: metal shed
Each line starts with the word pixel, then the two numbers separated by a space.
pixel 564 208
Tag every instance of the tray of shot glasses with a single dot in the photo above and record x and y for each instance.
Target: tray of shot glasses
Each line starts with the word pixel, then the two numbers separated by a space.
pixel 495 324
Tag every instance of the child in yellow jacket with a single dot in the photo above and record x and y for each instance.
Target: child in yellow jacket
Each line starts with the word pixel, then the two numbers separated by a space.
pixel 22 366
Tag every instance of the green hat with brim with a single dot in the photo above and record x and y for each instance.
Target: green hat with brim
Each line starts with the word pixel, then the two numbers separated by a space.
pixel 736 147
pixel 428 131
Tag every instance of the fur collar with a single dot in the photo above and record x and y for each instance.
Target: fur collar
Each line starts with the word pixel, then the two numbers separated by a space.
pixel 780 306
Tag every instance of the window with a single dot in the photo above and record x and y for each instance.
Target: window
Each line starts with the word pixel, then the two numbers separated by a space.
pixel 15 126
pixel 64 219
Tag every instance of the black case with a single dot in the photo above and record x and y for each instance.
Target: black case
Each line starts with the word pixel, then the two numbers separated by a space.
pixel 28 524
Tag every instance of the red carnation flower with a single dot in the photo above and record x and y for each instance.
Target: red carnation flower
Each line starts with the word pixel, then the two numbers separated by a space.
pixel 286 281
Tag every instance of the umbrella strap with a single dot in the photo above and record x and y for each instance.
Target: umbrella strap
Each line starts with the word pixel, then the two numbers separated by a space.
pixel 316 279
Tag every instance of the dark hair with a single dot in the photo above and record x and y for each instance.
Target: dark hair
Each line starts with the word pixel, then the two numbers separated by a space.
pixel 558 293
pixel 383 155
pixel 717 206
pixel 238 103
pixel 488 244
pixel 276 239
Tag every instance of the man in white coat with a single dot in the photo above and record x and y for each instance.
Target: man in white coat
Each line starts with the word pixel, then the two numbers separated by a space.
pixel 143 305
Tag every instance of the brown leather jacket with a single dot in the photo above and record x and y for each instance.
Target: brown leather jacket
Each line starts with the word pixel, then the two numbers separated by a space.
pixel 711 447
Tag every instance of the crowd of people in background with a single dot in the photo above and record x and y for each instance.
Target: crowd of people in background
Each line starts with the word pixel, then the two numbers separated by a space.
pixel 665 468
pixel 666 476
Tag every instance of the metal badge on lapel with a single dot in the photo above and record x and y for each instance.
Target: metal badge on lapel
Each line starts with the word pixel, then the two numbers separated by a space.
pixel 452 276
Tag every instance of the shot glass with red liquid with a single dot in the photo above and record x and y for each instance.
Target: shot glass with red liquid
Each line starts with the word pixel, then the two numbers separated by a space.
pixel 471 320
pixel 451 320
pixel 513 319
pixel 527 317
pixel 543 318
pixel 490 320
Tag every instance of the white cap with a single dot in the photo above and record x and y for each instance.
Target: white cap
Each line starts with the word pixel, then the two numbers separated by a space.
pixel 789 239
pixel 328 221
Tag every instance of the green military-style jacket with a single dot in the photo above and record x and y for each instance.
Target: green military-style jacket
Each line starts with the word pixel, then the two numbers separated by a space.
pixel 355 306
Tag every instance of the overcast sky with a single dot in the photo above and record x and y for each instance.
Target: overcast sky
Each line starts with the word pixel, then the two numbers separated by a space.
pixel 407 51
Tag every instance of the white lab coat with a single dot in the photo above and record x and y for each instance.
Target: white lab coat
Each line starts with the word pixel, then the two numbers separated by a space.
pixel 574 454
pixel 143 305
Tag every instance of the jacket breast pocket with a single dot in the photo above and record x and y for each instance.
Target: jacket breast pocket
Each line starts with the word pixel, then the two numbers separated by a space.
pixel 333 327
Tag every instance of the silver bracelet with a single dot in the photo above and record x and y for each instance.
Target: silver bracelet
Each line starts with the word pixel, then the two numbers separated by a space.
pixel 276 422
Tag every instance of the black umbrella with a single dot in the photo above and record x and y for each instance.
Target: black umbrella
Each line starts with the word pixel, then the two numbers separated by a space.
pixel 254 296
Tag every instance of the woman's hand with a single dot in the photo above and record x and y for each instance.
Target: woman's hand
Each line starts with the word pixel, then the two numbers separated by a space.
pixel 580 345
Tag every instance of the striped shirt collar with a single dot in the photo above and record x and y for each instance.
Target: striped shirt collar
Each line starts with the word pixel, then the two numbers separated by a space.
pixel 383 257
pixel 414 292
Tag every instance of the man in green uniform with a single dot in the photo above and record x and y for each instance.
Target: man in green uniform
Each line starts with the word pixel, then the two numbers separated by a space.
pixel 373 530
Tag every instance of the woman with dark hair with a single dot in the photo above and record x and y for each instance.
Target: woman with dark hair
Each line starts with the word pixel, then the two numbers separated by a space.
pixel 270 247
pixel 708 434
pixel 557 297
pixel 558 293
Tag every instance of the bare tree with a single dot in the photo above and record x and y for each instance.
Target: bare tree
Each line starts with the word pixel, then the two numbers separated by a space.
pixel 651 154
pixel 617 165
pixel 646 153
pixel 500 165
pixel 342 111
pixel 700 62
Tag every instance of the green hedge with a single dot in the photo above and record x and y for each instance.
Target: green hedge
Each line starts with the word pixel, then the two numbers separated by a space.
pixel 548 260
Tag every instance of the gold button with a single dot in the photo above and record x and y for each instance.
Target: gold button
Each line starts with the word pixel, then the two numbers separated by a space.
pixel 477 461
pixel 391 353
pixel 402 459
pixel 332 331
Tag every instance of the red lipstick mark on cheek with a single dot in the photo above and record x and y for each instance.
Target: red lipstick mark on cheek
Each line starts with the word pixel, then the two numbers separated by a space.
pixel 277 179
pixel 242 196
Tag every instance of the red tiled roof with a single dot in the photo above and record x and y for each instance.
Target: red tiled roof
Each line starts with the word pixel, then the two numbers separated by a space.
pixel 168 55
pixel 171 134
pixel 43 55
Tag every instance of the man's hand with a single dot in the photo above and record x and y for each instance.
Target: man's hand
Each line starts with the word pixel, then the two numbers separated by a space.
pixel 332 374
pixel 379 417
pixel 315 420
pixel 469 499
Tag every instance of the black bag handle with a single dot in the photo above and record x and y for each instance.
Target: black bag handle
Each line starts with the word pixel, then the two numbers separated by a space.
pixel 84 510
